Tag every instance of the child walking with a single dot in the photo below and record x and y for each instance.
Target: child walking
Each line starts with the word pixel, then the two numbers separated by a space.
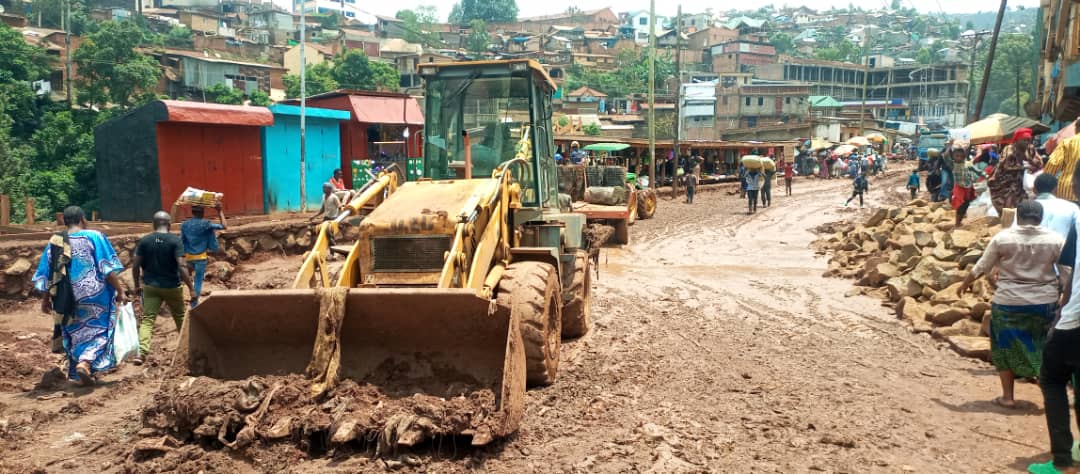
pixel 913 183
pixel 752 187
pixel 860 186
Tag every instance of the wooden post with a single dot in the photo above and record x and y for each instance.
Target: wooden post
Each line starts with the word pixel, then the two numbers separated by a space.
pixel 59 218
pixel 5 209
pixel 93 214
pixel 30 211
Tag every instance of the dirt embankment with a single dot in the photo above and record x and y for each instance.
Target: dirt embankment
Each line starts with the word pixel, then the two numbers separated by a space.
pixel 19 259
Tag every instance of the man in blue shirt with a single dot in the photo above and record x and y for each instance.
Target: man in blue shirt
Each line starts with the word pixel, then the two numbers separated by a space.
pixel 199 240
pixel 577 156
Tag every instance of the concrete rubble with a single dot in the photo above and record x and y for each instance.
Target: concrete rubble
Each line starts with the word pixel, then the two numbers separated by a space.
pixel 913 258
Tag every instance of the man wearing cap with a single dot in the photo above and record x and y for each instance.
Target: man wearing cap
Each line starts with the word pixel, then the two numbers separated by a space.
pixel 197 235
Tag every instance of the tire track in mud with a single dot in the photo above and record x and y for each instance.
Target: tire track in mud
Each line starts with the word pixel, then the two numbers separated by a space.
pixel 716 326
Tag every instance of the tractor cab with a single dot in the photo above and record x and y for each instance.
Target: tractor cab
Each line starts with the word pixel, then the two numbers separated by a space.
pixel 486 113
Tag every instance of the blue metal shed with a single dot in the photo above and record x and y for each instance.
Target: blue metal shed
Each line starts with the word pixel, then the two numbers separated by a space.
pixel 281 155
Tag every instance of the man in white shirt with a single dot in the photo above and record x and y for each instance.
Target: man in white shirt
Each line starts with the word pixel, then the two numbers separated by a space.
pixel 1061 363
pixel 1059 215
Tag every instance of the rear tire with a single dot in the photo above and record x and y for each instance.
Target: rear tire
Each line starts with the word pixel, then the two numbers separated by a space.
pixel 646 203
pixel 577 313
pixel 534 286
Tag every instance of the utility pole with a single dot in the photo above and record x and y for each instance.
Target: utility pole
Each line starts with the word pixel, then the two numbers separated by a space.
pixel 67 53
pixel 990 59
pixel 865 80
pixel 303 109
pixel 652 93
pixel 678 96
pixel 971 73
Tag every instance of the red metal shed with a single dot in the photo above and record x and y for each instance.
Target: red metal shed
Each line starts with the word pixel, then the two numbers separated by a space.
pixel 147 157
pixel 378 120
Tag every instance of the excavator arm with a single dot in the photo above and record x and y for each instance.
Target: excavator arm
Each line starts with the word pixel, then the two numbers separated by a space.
pixel 374 192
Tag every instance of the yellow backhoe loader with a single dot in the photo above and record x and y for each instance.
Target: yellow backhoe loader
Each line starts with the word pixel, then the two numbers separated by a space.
pixel 463 282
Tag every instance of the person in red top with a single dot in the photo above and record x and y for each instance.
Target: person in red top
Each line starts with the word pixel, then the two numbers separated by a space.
pixel 789 173
pixel 337 181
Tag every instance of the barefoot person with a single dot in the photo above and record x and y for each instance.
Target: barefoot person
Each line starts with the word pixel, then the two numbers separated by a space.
pixel 84 262
pixel 1026 298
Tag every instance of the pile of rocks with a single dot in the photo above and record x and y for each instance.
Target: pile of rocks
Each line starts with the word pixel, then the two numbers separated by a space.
pixel 913 258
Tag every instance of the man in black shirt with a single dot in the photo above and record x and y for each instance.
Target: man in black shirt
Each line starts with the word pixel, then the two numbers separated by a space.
pixel 159 261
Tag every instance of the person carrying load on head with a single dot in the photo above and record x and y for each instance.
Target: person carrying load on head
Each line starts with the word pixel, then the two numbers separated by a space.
pixel 199 239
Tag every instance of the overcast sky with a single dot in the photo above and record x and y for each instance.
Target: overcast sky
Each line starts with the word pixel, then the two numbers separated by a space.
pixel 668 7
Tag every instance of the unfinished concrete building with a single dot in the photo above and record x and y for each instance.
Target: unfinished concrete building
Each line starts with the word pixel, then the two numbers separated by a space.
pixel 935 93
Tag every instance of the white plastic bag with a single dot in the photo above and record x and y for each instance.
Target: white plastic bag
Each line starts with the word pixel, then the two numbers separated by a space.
pixel 1029 182
pixel 126 335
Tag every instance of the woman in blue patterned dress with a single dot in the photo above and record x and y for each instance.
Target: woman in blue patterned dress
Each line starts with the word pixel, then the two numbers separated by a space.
pixel 94 272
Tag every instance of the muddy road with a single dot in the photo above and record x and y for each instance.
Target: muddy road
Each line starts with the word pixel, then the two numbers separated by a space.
pixel 717 347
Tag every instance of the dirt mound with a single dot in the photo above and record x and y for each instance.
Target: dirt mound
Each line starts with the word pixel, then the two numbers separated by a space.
pixel 262 410
pixel 24 358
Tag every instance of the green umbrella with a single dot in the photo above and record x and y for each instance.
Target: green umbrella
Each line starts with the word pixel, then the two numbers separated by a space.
pixel 607 147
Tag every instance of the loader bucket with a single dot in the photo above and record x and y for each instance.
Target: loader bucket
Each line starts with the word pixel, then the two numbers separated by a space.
pixel 403 342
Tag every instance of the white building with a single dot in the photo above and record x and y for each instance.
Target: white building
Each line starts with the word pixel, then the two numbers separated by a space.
pixel 348 8
pixel 697 108
pixel 637 23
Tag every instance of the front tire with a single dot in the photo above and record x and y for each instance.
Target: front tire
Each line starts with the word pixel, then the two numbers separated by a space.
pixel 534 286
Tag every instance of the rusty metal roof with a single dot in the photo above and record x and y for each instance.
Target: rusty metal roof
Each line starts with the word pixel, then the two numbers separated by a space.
pixel 199 112
pixel 374 107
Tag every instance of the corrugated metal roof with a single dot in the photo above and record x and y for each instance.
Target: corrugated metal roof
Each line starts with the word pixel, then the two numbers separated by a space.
pixel 199 112
pixel 310 112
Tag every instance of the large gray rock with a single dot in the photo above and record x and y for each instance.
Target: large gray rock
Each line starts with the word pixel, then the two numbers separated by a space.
pixel 902 286
pixel 963 327
pixel 968 346
pixel 960 239
pixel 877 272
pixel 980 310
pixel 944 254
pixel 949 316
pixel 930 271
pixel 876 218
pixel 18 267
pixel 924 238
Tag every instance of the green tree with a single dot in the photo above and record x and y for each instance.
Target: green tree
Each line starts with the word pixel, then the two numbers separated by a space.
pixel 418 25
pixel 478 40
pixel 782 42
pixel 179 37
pixel 1013 64
pixel 924 56
pixel 353 70
pixel 62 171
pixel 50 12
pixel 260 98
pixel 319 80
pixel 843 51
pixel 491 11
pixel 895 6
pixel 20 61
pixel 111 68
pixel 223 94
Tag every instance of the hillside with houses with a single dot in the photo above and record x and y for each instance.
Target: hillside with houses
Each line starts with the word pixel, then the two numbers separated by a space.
pixel 766 74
